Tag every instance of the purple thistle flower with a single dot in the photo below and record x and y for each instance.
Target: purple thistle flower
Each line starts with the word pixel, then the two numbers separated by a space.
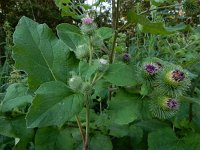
pixel 151 68
pixel 178 75
pixel 126 57
pixel 172 103
pixel 87 20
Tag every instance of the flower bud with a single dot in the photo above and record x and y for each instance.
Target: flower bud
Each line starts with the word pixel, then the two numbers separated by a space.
pixel 75 83
pixel 86 88
pixel 87 20
pixel 82 51
pixel 88 26
pixel 164 107
pixel 103 65
pixel 169 103
pixel 175 77
pixel 173 81
pixel 151 69
pixel 126 57
pixel 172 103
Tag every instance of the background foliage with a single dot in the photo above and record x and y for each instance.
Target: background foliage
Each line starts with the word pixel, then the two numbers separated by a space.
pixel 39 106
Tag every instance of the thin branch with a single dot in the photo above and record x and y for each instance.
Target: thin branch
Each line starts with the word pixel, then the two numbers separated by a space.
pixel 116 32
pixel 86 145
pixel 32 10
pixel 80 129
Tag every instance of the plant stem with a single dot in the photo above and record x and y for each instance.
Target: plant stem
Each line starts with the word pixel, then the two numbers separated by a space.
pixel 115 25
pixel 90 51
pixel 86 145
pixel 81 129
pixel 32 10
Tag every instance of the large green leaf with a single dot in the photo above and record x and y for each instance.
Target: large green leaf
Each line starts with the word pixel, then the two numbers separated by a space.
pixel 38 52
pixel 105 32
pixel 121 75
pixel 123 108
pixel 192 141
pixel 166 139
pixel 100 141
pixel 53 105
pixel 52 138
pixel 147 26
pixel 16 128
pixel 152 125
pixel 59 3
pixel 86 70
pixel 181 120
pixel 70 35
pixel 16 96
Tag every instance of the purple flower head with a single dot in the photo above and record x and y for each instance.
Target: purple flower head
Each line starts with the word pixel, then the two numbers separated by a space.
pixel 126 57
pixel 151 68
pixel 178 75
pixel 172 103
pixel 87 20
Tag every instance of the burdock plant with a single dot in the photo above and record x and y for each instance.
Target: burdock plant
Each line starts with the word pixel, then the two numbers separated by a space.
pixel 88 26
pixel 149 70
pixel 173 80
pixel 167 82
pixel 164 107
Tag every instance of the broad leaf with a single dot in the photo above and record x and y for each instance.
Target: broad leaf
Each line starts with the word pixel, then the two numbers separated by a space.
pixel 38 52
pixel 105 32
pixel 121 75
pixel 52 138
pixel 170 141
pixel 164 139
pixel 70 35
pixel 16 96
pixel 192 141
pixel 123 108
pixel 118 130
pixel 53 105
pixel 16 128
pixel 86 71
pixel 59 3
pixel 101 88
pixel 152 125
pixel 99 141
pixel 147 26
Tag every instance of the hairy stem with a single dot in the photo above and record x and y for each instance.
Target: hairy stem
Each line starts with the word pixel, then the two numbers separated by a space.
pixel 115 26
pixel 86 145
pixel 81 129
pixel 90 51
